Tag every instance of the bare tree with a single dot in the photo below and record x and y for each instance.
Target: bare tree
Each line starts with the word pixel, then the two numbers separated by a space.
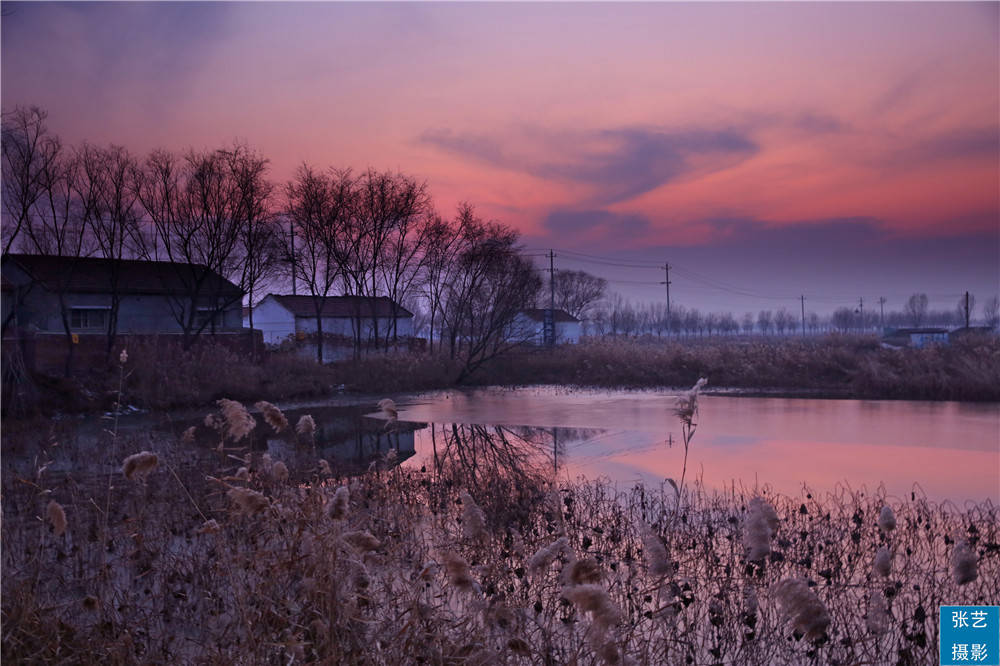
pixel 319 207
pixel 991 312
pixel 443 243
pixel 965 309
pixel 106 189
pixel 486 292
pixel 30 154
pixel 577 292
pixel 916 309
pixel 747 323
pixel 765 321
pixel 56 226
pixel 193 203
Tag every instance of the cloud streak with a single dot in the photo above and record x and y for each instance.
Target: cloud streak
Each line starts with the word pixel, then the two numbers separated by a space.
pixel 616 164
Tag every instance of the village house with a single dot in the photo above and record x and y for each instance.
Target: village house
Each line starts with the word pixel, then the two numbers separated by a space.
pixel 282 318
pixel 154 297
pixel 529 327
pixel 916 337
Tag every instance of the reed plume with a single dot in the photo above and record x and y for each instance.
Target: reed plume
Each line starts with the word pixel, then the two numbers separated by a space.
pixel 657 562
pixel 583 572
pixel 473 520
pixel 802 607
pixel 139 466
pixel 543 557
pixel 883 562
pixel 340 503
pixel 686 407
pixel 188 436
pixel 238 422
pixel 279 472
pixel 362 540
pixel 886 519
pixel 964 567
pixel 57 517
pixel 274 417
pixel 458 572
pixel 324 468
pixel 759 527
pixel 248 502
pixel 306 427
pixel 878 614
pixel 210 526
pixel 594 599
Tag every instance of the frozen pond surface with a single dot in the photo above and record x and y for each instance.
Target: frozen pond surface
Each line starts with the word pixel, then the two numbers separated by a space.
pixel 951 450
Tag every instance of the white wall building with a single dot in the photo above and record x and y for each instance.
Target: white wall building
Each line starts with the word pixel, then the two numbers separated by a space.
pixel 280 318
pixel 529 326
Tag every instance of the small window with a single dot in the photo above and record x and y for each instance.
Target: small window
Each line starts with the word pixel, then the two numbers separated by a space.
pixel 88 319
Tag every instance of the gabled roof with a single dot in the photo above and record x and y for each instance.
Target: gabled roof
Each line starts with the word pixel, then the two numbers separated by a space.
pixel 342 306
pixel 94 275
pixel 538 314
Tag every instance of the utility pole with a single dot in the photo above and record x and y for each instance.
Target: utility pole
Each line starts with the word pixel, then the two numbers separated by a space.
pixel 861 309
pixel 666 267
pixel 803 299
pixel 881 312
pixel 549 323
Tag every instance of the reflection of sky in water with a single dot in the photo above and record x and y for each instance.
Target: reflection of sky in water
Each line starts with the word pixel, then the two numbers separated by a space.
pixel 951 450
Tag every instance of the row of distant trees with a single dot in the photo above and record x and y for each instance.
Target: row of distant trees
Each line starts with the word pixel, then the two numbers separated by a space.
pixel 328 231
pixel 615 315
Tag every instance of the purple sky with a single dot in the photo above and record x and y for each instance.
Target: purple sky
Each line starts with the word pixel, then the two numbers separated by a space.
pixel 766 150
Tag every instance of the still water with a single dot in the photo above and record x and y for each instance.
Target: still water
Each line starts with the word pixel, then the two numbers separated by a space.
pixel 948 450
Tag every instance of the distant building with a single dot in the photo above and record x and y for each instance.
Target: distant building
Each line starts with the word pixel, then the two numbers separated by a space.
pixel 153 296
pixel 529 327
pixel 285 317
pixel 916 337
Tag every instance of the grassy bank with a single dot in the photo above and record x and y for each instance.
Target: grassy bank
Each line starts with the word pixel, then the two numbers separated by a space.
pixel 230 557
pixel 164 377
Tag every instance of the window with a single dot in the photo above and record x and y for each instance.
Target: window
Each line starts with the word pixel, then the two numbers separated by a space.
pixel 88 318
pixel 209 317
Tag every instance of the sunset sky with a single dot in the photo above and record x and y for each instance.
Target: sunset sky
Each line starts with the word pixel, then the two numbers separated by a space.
pixel 765 150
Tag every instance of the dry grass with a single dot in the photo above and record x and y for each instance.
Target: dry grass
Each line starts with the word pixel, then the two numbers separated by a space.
pixel 481 562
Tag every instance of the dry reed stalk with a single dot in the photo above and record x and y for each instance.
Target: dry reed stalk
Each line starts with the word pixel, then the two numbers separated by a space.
pixel 274 417
pixel 238 422
pixel 339 505
pixel 759 527
pixel 139 466
pixel 543 557
pixel 686 407
pixel 594 599
pixel 964 567
pixel 473 520
pixel 886 519
pixel 802 607
pixel 248 502
pixel 56 517
pixel 883 562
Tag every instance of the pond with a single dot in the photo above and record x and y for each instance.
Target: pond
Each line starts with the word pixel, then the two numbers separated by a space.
pixel 947 450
